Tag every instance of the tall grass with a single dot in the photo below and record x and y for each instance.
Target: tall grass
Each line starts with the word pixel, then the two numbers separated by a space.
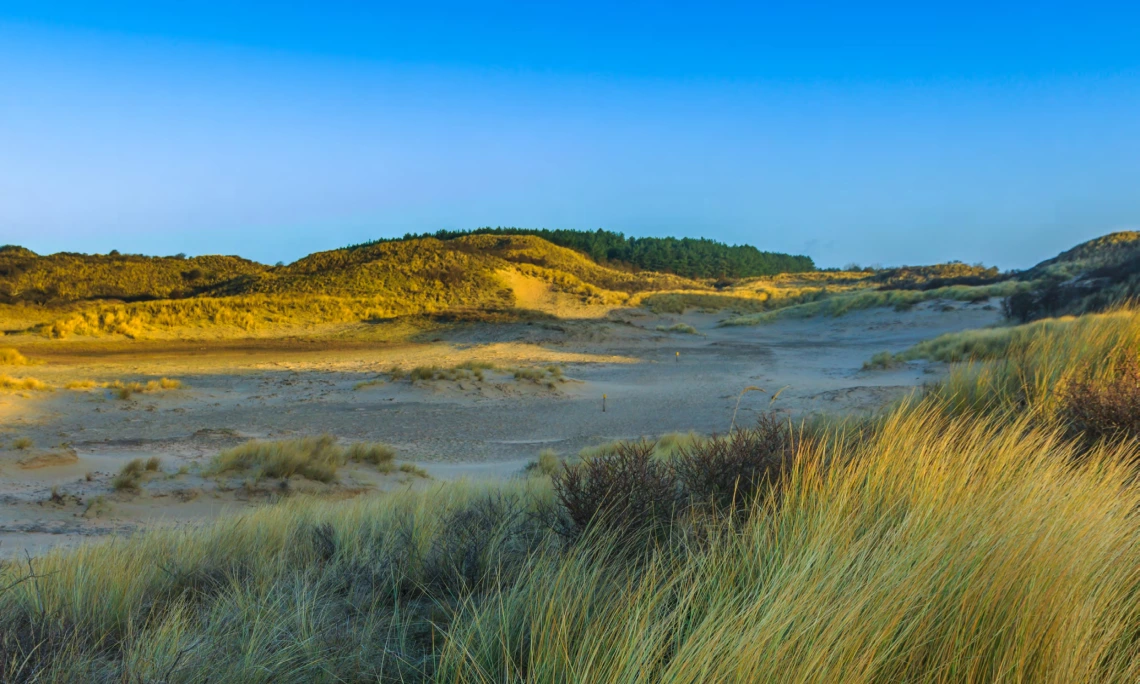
pixel 949 540
pixel 931 548
pixel 1028 367
pixel 299 592
pixel 941 549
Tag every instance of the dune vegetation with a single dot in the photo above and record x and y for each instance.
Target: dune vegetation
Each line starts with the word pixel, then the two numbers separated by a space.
pixel 496 273
pixel 843 303
pixel 986 530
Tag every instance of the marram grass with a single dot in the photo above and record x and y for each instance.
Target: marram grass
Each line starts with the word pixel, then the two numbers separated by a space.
pixel 942 550
pixel 938 548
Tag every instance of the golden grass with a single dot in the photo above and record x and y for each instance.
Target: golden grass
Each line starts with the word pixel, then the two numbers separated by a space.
pixel 12 357
pixel 10 383
pixel 1032 363
pixel 945 541
pixel 124 390
pixel 941 549
pixel 934 548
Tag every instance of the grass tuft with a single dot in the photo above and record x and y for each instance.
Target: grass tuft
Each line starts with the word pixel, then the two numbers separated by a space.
pixel 314 458
pixel 12 357
pixel 10 383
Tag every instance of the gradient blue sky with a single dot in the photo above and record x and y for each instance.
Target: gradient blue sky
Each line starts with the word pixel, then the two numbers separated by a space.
pixel 884 133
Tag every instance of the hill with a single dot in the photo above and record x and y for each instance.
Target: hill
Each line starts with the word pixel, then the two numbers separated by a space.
pixel 68 277
pixel 688 257
pixel 143 296
pixel 1093 276
pixel 1105 252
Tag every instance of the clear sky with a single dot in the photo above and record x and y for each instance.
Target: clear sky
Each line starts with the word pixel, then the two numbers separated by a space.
pixel 852 132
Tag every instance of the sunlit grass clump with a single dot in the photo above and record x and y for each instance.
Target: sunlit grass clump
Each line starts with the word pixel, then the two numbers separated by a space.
pixel 12 357
pixel 28 383
pixel 313 458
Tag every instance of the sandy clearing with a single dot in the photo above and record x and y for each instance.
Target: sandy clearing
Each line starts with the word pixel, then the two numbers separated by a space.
pixel 654 383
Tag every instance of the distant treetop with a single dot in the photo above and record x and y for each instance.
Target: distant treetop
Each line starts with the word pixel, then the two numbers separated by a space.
pixel 688 257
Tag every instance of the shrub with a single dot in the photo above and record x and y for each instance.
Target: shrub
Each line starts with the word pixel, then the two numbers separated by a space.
pixel 153 464
pixel 479 543
pixel 678 328
pixel 1021 307
pixel 736 470
pixel 1106 409
pixel 628 490
pixel 22 443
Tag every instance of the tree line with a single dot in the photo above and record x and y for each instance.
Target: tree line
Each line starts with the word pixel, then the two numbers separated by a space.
pixel 688 257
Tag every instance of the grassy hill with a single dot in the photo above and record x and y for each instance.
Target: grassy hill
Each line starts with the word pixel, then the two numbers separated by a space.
pixel 66 277
pixel 73 294
pixel 1105 252
pixel 136 296
pixel 1093 276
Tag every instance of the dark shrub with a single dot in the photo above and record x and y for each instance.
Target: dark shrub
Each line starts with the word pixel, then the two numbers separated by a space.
pixel 1104 410
pixel 732 471
pixel 627 491
pixel 1020 306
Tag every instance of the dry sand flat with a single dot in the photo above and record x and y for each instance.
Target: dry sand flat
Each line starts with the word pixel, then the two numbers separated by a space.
pixel 461 427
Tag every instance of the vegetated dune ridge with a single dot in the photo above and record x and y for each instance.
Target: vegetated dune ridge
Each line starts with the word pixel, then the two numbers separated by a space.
pixel 986 531
pixel 67 295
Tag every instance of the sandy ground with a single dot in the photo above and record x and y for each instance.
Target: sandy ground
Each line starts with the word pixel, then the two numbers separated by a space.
pixel 654 383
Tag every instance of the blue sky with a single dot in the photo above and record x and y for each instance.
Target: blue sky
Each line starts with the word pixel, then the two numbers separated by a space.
pixel 883 133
